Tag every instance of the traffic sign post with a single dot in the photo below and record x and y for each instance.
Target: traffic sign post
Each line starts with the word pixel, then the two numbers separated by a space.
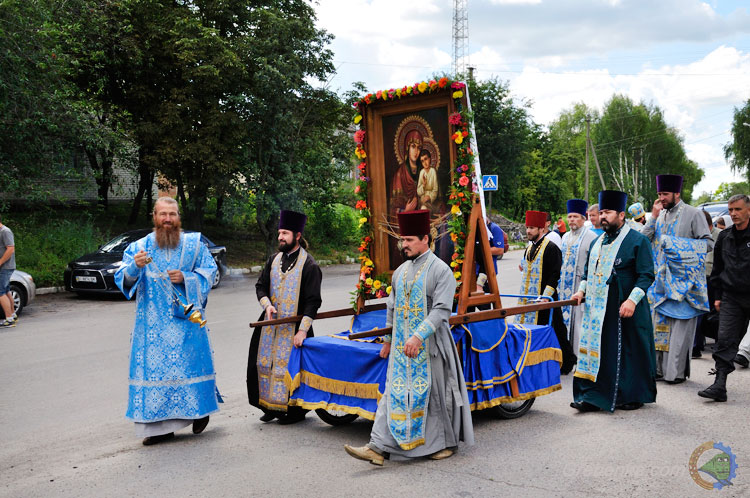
pixel 489 183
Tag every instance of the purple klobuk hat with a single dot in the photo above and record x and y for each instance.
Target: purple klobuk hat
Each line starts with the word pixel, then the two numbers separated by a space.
pixel 578 206
pixel 613 199
pixel 669 183
pixel 292 221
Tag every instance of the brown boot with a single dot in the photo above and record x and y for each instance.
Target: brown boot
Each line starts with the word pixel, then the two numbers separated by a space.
pixel 365 453
pixel 442 454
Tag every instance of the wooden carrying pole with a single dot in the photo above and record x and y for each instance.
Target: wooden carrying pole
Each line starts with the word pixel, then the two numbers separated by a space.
pixel 320 316
pixel 479 316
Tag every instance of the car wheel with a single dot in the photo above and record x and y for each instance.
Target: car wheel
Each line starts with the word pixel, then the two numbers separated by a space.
pixel 217 279
pixel 19 297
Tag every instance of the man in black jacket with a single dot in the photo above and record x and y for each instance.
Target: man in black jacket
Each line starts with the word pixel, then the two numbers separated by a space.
pixel 732 292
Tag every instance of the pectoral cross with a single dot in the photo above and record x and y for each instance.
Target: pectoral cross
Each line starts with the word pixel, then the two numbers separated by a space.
pixel 600 275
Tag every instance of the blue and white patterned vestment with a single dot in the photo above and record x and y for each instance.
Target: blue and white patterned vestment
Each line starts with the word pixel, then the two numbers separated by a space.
pixel 575 253
pixel 680 239
pixel 171 365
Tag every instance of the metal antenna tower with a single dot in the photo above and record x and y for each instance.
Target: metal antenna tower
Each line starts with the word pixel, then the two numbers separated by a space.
pixel 460 37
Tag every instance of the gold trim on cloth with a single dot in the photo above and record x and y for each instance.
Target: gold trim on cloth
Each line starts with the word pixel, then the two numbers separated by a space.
pixel 542 355
pixel 332 406
pixel 333 386
pixel 502 337
pixel 509 399
pixel 586 351
pixel 586 376
pixel 412 445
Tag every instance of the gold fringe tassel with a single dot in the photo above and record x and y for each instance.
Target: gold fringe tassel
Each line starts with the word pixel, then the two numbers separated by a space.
pixel 509 399
pixel 542 355
pixel 341 387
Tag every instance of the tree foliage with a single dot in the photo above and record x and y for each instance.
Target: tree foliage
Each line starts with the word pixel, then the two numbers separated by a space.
pixel 737 152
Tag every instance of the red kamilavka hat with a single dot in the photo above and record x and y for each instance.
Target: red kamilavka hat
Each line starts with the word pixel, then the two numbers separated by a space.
pixel 414 223
pixel 536 219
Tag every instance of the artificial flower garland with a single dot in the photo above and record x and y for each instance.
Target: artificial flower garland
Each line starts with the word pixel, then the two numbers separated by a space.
pixel 462 187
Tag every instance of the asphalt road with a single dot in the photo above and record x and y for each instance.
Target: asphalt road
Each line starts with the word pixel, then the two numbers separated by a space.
pixel 63 396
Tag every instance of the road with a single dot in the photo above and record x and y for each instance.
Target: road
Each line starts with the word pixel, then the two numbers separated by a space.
pixel 64 367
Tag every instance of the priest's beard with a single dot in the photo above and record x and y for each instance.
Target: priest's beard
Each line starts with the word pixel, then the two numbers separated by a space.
pixel 285 247
pixel 610 229
pixel 168 234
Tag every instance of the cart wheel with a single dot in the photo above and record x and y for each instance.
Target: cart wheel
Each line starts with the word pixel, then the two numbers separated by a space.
pixel 514 409
pixel 335 417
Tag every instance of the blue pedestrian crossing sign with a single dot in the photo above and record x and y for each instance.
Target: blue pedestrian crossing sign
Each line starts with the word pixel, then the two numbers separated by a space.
pixel 489 182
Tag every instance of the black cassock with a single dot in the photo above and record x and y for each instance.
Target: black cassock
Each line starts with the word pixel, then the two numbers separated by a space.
pixel 308 304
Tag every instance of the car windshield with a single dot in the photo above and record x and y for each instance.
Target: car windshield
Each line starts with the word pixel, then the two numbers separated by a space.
pixel 715 209
pixel 119 243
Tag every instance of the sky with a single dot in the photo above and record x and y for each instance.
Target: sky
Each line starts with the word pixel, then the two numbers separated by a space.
pixel 690 58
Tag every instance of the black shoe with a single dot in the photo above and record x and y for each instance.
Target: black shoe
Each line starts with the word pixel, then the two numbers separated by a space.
pixel 630 406
pixel 676 381
pixel 584 407
pixel 696 353
pixel 741 361
pixel 659 377
pixel 200 424
pixel 158 439
pixel 267 417
pixel 718 390
pixel 288 420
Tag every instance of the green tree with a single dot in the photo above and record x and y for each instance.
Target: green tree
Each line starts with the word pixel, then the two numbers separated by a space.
pixel 40 128
pixel 506 137
pixel 737 152
pixel 728 189
pixel 634 144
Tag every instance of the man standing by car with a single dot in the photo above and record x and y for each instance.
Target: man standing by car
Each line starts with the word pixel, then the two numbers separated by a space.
pixel 731 291
pixel 172 382
pixel 7 266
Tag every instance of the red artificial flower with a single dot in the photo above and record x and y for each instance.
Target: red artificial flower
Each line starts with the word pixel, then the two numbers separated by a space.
pixel 442 82
pixel 367 98
pixel 454 119
pixel 464 133
pixel 457 85
pixel 356 189
pixel 361 205
pixel 463 181
pixel 356 105
pixel 362 166
pixel 378 94
pixel 359 136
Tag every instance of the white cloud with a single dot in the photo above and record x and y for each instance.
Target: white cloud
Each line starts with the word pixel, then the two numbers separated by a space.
pixel 515 2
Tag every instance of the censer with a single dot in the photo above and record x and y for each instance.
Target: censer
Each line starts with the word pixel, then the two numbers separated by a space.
pixel 194 316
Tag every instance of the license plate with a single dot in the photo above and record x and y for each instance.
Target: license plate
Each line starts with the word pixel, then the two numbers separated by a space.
pixel 86 279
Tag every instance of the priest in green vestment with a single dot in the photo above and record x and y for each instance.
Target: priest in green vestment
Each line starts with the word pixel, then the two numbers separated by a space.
pixel 424 411
pixel 616 359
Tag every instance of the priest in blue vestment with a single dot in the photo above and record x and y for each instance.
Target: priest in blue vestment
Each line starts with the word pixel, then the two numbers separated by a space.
pixel 616 356
pixel 425 410
pixel 172 382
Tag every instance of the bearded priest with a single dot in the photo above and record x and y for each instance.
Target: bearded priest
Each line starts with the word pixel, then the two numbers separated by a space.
pixel 616 355
pixel 172 378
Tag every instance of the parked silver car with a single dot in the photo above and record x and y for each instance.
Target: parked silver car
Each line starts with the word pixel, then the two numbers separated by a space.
pixel 23 290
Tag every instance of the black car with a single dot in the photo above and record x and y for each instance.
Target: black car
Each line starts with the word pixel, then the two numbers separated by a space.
pixel 95 272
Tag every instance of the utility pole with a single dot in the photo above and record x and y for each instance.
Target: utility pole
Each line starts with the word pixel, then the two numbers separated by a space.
pixel 471 73
pixel 588 133
pixel 460 37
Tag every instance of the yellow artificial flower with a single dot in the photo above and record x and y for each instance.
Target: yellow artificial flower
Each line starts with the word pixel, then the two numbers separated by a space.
pixel 357 118
pixel 459 139
pixel 453 264
pixel 388 289
pixel 377 284
pixel 398 92
pixel 362 221
pixel 422 87
pixel 458 94
pixel 368 262
pixel 455 210
pixel 368 281
pixel 457 275
pixel 454 237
